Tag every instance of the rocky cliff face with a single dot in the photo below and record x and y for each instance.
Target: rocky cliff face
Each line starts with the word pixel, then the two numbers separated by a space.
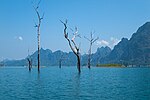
pixel 100 54
pixel 134 51
pixel 117 52
pixel 138 48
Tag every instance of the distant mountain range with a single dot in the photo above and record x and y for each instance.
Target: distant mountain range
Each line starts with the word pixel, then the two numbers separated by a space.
pixel 134 51
pixel 49 58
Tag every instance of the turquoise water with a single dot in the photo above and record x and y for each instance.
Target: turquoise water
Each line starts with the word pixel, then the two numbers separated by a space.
pixel 53 83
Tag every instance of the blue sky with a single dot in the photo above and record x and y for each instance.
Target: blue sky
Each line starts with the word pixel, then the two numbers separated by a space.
pixel 110 19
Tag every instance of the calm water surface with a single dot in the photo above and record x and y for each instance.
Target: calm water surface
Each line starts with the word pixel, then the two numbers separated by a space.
pixel 53 83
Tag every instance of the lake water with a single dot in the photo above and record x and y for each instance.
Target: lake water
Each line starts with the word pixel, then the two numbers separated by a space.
pixel 53 83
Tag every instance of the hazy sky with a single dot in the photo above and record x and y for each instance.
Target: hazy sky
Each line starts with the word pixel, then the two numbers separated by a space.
pixel 110 19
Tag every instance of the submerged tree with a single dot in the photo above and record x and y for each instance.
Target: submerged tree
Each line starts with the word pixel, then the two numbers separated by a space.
pixel 91 40
pixel 29 59
pixel 29 63
pixel 38 31
pixel 60 61
pixel 62 58
pixel 72 44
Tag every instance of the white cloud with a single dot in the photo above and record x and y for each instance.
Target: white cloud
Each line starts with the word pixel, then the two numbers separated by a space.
pixel 111 43
pixel 114 41
pixel 102 43
pixel 20 38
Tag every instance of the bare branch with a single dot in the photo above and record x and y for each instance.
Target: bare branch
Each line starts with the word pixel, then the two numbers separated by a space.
pixel 91 35
pixel 71 29
pixel 38 3
pixel 79 36
pixel 61 21
pixel 74 45
pixel 65 29
pixel 87 38
pixel 95 40
pixel 76 34
pixel 36 25
pixel 76 30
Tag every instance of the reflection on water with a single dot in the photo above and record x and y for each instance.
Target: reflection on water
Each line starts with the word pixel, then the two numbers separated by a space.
pixel 66 83
pixel 76 85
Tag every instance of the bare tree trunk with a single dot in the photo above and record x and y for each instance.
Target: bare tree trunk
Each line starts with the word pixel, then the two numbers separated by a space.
pixel 91 40
pixel 38 48
pixel 29 64
pixel 29 61
pixel 38 60
pixel 60 63
pixel 89 57
pixel 38 32
pixel 75 49
pixel 78 64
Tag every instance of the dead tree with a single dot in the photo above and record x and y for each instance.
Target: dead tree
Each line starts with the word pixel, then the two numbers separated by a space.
pixel 72 43
pixel 60 61
pixel 38 31
pixel 91 40
pixel 29 59
pixel 62 58
pixel 29 63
